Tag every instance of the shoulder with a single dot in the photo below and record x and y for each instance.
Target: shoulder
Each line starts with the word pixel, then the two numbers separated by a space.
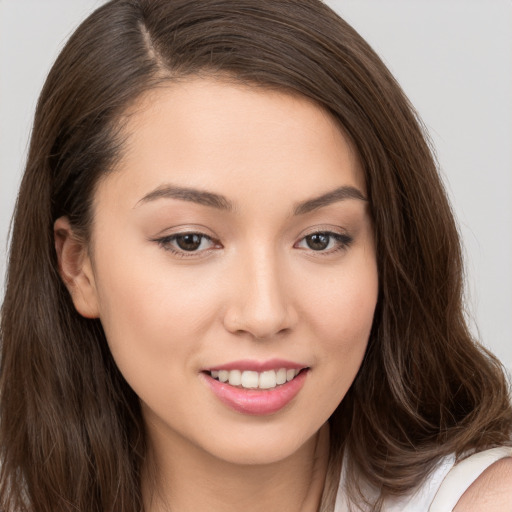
pixel 491 491
pixel 479 482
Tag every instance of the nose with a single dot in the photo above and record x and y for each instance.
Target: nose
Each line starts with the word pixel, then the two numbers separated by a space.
pixel 261 304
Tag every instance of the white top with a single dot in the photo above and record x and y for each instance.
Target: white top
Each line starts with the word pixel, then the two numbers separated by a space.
pixel 442 489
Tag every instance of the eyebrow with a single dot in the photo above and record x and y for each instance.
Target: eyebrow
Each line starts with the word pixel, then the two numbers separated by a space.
pixel 339 194
pixel 223 203
pixel 188 194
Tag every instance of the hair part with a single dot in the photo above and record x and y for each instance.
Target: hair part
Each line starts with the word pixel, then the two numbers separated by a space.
pixel 71 430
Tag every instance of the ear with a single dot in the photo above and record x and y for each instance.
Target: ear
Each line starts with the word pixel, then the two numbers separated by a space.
pixel 75 268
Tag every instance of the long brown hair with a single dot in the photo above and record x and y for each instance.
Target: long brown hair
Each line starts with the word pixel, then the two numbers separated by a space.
pixel 71 430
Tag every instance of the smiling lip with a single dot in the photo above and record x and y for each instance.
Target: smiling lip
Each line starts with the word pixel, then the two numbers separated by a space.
pixel 257 366
pixel 256 401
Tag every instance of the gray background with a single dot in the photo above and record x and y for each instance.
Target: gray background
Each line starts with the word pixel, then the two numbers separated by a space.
pixel 453 59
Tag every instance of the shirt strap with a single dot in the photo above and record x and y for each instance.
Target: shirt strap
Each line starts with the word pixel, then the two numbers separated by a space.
pixel 462 475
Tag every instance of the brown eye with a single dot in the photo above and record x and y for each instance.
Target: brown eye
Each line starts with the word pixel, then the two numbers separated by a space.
pixel 325 242
pixel 189 241
pixel 183 244
pixel 318 241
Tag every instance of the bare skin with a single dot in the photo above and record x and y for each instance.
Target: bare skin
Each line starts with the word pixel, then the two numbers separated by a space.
pixel 250 487
pixel 491 491
pixel 284 269
pixel 261 179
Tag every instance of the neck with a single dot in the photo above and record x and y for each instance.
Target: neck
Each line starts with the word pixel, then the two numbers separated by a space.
pixel 189 480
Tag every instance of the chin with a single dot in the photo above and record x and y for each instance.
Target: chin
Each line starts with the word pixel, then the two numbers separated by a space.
pixel 259 448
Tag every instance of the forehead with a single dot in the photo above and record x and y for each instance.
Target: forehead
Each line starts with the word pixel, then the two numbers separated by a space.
pixel 215 134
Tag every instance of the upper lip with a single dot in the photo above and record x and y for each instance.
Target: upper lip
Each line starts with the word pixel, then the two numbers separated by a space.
pixel 257 366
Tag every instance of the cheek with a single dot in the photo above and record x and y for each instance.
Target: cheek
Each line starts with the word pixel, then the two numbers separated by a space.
pixel 341 317
pixel 152 315
pixel 139 281
pixel 349 315
pixel 343 307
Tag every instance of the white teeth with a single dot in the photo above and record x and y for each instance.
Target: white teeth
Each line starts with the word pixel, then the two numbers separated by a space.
pixel 268 380
pixel 281 376
pixel 253 380
pixel 235 377
pixel 249 380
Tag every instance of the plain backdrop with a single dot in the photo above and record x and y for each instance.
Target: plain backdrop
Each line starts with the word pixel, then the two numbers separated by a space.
pixel 453 58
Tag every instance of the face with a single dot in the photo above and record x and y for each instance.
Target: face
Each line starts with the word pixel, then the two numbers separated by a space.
pixel 233 268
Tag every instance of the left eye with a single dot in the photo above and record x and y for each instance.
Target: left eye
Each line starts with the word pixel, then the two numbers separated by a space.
pixel 187 242
pixel 324 241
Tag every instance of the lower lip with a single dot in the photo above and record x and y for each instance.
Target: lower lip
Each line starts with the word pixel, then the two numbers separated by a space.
pixel 257 401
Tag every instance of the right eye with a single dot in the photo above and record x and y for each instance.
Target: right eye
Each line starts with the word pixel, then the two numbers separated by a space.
pixel 186 244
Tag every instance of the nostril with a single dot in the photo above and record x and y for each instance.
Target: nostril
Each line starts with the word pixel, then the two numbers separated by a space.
pixel 259 328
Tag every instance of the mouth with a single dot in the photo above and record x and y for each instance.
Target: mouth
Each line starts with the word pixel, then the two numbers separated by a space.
pixel 249 379
pixel 257 388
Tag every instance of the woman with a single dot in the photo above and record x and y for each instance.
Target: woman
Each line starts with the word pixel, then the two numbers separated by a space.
pixel 235 279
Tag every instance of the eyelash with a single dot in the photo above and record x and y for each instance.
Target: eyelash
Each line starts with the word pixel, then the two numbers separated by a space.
pixel 343 242
pixel 166 244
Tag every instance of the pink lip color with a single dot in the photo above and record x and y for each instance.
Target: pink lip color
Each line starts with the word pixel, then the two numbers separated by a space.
pixel 256 401
pixel 258 366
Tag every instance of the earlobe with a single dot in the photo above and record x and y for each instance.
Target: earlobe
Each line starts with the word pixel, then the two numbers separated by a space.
pixel 75 268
